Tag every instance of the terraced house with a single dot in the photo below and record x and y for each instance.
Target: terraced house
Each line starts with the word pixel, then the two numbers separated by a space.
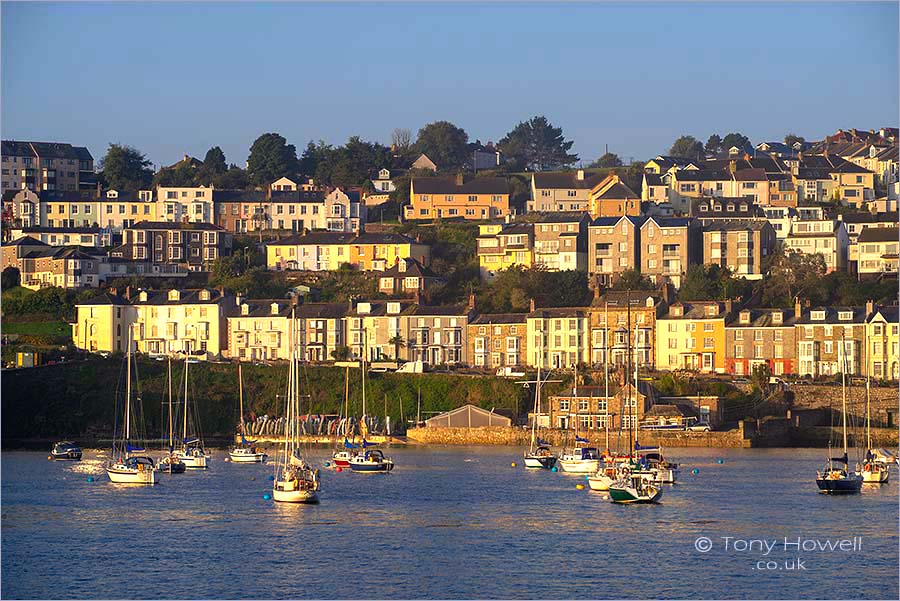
pixel 321 330
pixel 259 330
pixel 455 197
pixel 668 246
pixel 377 330
pixel 739 245
pixel 101 323
pixel 883 335
pixel 558 337
pixel 119 210
pixel 623 324
pixel 437 335
pixel 327 251
pixel 757 338
pixel 70 209
pixel 692 336
pixel 187 246
pixel 830 339
pixel 498 340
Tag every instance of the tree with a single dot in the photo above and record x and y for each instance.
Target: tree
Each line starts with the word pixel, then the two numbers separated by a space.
pixel 233 179
pixel 214 166
pixel 634 177
pixel 712 282
pixel 399 343
pixel 10 278
pixel 792 139
pixel 714 144
pixel 124 168
pixel 445 144
pixel 735 139
pixel 686 146
pixel 401 140
pixel 341 353
pixel 632 279
pixel 791 274
pixel 535 145
pixel 353 163
pixel 315 155
pixel 271 157
pixel 608 160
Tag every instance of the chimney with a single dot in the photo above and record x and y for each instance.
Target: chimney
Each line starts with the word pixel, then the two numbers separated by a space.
pixel 350 303
pixel 113 291
pixel 870 307
pixel 580 175
pixel 531 306
pixel 471 306
pixel 798 308
pixel 728 306
pixel 459 179
pixel 417 298
pixel 237 299
pixel 128 293
pixel 732 167
pixel 597 291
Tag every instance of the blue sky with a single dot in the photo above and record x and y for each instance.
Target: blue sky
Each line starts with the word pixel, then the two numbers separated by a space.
pixel 171 78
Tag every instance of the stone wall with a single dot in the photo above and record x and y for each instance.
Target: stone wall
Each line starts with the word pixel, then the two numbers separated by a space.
pixel 521 436
pixel 823 397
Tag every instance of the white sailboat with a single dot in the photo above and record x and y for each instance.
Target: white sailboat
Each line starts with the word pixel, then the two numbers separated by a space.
pixel 341 457
pixel 368 461
pixel 539 455
pixel 247 451
pixel 192 452
pixel 875 470
pixel 129 463
pixel 295 481
pixel 606 474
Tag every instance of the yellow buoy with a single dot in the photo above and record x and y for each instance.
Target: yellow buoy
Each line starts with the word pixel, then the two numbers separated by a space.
pixel 49 457
pixel 579 486
pixel 513 464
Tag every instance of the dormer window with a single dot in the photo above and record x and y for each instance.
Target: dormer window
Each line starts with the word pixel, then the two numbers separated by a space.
pixel 143 296
pixel 204 295
pixel 245 309
pixel 364 308
pixel 677 311
pixel 743 208
pixel 777 317
pixel 745 317
pixel 174 295
pixel 393 308
pixel 730 208
pixel 711 310
pixel 845 315
pixel 704 208
pixel 274 308
pixel 649 302
pixel 717 207
pixel 817 316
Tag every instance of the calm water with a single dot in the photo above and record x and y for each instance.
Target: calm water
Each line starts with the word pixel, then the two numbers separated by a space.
pixel 447 523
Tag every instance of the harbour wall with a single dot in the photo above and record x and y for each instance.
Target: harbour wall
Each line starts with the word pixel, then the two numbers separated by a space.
pixel 512 436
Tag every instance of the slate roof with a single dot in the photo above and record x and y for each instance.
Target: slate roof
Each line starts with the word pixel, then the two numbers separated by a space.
pixel 762 318
pixel 735 225
pixel 47 150
pixel 500 319
pixel 567 180
pixel 188 296
pixel 315 237
pixel 618 191
pixel 106 298
pixel 413 269
pixel 257 196
pixel 831 315
pixel 175 225
pixel 879 234
pixel 448 185
pixel 296 196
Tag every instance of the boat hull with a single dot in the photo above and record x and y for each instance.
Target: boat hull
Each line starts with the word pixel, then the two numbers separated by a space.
pixel 237 457
pixel 875 475
pixel 842 486
pixel 628 495
pixel 193 462
pixel 171 468
pixel 540 462
pixel 69 456
pixel 579 466
pixel 125 475
pixel 371 468
pixel 600 482
pixel 294 496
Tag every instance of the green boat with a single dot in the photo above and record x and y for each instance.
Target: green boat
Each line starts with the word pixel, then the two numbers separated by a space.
pixel 634 489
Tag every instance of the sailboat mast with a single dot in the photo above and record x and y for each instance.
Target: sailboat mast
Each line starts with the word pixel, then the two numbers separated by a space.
pixel 419 407
pixel 363 374
pixel 844 391
pixel 346 398
pixel 634 421
pixel 186 363
pixel 241 396
pixel 868 415
pixel 628 371
pixel 128 392
pixel 171 416
pixel 606 366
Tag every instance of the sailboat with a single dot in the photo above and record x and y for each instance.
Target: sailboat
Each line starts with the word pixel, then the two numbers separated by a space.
pixel 341 457
pixel 170 463
pixel 634 486
pixel 129 463
pixel 373 460
pixel 192 452
pixel 539 454
pixel 607 473
pixel 581 459
pixel 247 451
pixel 835 479
pixel 875 469
pixel 295 481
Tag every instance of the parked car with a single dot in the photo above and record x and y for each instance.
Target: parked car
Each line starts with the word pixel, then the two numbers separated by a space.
pixel 699 427
pixel 411 367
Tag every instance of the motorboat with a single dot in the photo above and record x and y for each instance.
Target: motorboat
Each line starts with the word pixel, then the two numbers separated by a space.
pixel 370 461
pixel 581 460
pixel 66 451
